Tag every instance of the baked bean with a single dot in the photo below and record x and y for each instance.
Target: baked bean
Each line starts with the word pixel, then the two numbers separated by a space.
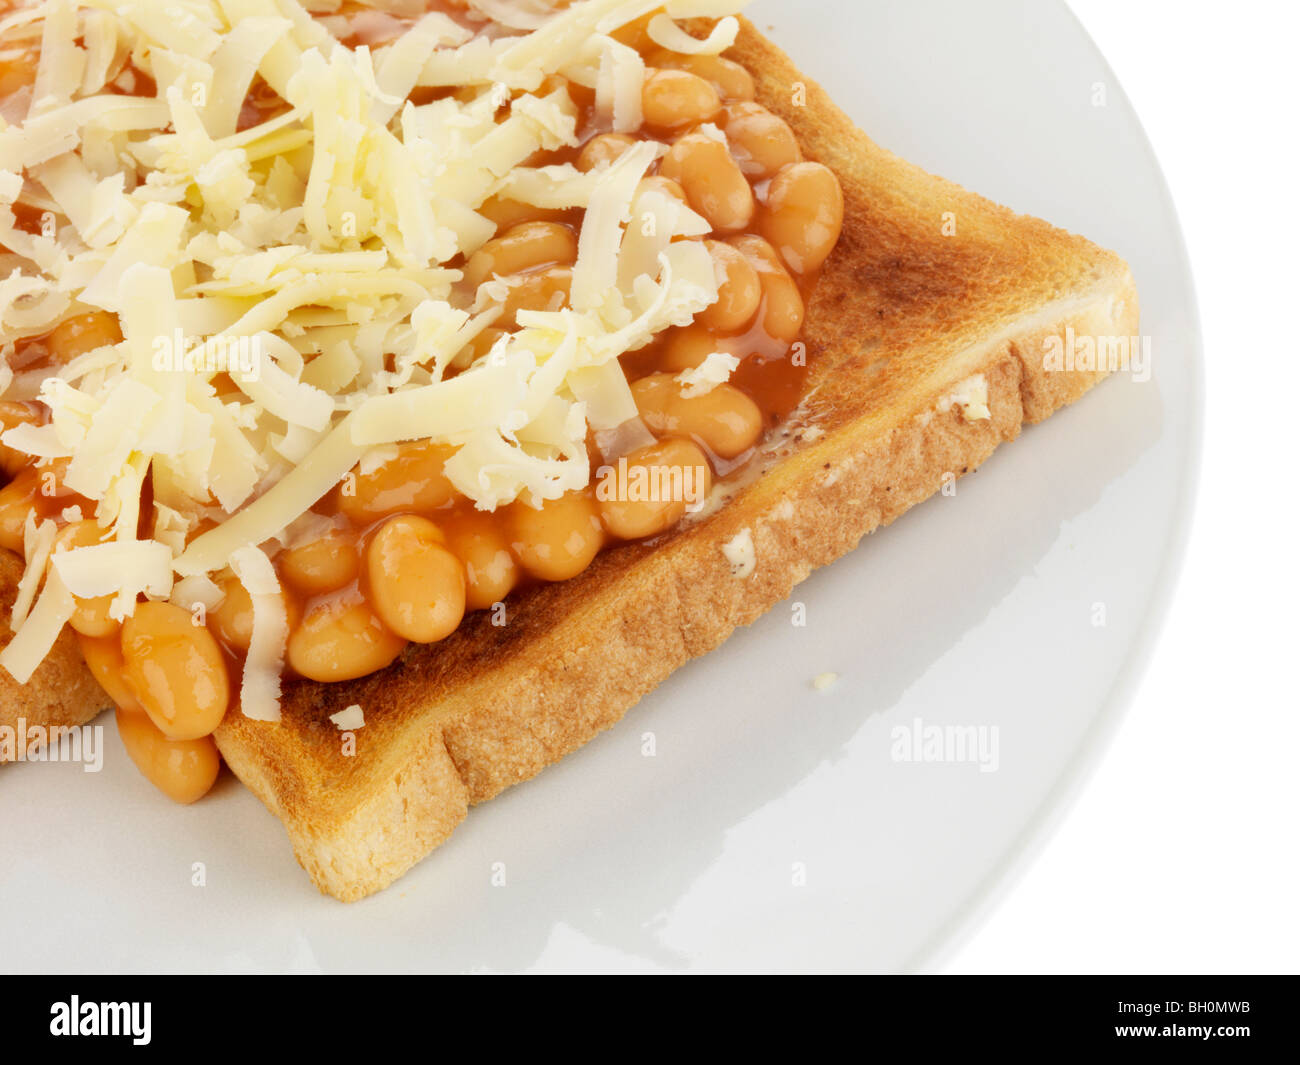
pixel 761 143
pixel 224 386
pixel 729 79
pixel 674 99
pixel 686 348
pixel 581 99
pixel 491 571
pixel 559 540
pixel 342 639
pixel 40 489
pixel 416 584
pixel 17 71
pixel 602 150
pixel 507 214
pixel 81 534
pixel 663 184
pixel 739 291
pixel 467 94
pixel 183 770
pixel 201 526
pixel 724 419
pixel 550 83
pixel 649 494
pixel 81 334
pixel 17 499
pixel 636 34
pixel 714 185
pixel 544 290
pixel 91 616
pixel 479 346
pixel 783 309
pixel 104 659
pixel 411 481
pixel 322 565
pixel 524 247
pixel 50 492
pixel 232 619
pixel 803 215
pixel 176 669
pixel 13 415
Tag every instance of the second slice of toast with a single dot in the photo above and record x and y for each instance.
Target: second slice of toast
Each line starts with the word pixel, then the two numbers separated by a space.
pixel 906 328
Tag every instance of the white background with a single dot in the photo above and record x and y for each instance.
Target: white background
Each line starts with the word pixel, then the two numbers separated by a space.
pixel 1183 854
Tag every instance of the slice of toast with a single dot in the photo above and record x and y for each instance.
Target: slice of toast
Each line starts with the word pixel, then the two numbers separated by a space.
pixel 61 693
pixel 904 326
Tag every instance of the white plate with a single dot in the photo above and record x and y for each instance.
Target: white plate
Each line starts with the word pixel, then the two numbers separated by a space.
pixel 973 610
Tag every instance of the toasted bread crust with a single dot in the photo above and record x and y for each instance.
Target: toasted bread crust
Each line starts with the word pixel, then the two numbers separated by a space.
pixel 901 316
pixel 61 692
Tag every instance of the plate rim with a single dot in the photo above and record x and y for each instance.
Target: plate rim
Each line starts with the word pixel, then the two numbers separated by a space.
pixel 964 923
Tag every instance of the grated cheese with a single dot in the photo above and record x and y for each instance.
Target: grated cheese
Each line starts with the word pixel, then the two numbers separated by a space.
pixel 609 207
pixel 971 396
pixel 306 258
pixel 715 370
pixel 739 553
pixel 619 81
pixel 192 591
pixel 38 543
pixel 259 689
pixel 104 569
pixel 667 34
pixel 34 640
pixel 350 718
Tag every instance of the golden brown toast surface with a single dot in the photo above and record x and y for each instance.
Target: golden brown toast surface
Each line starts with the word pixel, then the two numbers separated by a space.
pixel 901 315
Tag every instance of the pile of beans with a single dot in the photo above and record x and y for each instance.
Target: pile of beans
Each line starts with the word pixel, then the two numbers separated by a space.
pixel 404 556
